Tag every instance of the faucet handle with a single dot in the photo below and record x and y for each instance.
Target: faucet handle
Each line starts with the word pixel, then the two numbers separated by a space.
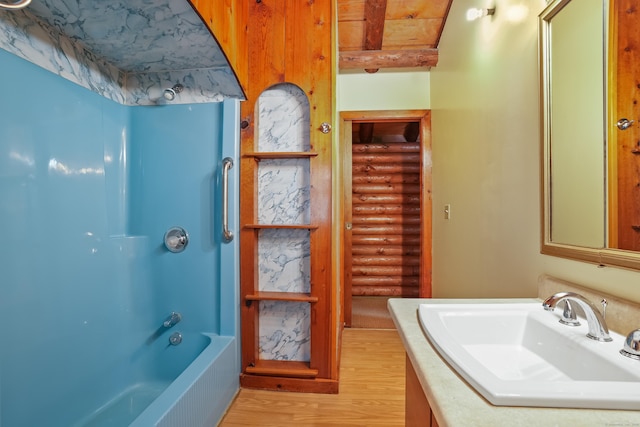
pixel 604 307
pixel 569 314
pixel 631 346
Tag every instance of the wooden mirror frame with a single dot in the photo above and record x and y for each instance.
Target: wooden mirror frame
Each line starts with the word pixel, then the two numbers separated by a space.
pixel 601 256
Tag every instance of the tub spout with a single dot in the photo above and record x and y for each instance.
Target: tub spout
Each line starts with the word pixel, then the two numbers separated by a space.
pixel 173 318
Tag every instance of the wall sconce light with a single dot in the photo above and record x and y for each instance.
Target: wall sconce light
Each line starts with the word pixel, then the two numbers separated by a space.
pixel 473 13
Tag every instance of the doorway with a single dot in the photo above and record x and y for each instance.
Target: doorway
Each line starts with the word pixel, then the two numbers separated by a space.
pixel 387 205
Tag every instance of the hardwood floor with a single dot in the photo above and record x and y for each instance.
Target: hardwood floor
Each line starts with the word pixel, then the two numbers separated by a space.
pixel 372 371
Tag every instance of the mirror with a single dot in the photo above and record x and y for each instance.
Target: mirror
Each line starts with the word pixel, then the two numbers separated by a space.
pixel 584 202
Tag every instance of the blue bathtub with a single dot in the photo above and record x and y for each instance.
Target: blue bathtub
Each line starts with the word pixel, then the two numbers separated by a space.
pixel 88 187
pixel 194 398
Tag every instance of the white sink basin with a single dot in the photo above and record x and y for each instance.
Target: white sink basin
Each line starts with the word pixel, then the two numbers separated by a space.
pixel 518 354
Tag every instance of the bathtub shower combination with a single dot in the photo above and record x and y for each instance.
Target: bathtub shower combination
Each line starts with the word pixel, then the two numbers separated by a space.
pixel 118 130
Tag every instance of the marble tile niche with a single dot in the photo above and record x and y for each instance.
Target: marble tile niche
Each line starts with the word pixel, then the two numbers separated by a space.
pixel 284 199
pixel 283 261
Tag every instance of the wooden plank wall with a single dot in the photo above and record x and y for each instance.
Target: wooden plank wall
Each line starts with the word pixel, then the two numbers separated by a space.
pixel 386 219
pixel 290 41
pixel 227 20
pixel 625 173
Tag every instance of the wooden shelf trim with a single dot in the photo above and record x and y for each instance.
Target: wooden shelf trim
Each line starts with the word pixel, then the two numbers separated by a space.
pixel 280 296
pixel 280 155
pixel 265 226
pixel 286 368
pixel 296 385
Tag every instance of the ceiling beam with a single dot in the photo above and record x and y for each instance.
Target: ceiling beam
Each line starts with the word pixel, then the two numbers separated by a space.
pixel 369 59
pixel 374 17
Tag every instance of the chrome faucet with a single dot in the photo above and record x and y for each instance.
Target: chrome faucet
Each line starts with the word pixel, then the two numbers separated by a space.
pixel 598 329
pixel 173 318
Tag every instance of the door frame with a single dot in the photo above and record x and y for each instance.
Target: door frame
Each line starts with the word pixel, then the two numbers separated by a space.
pixel 347 118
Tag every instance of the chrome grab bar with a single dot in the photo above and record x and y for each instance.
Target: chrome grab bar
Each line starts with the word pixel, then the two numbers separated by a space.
pixel 17 5
pixel 227 164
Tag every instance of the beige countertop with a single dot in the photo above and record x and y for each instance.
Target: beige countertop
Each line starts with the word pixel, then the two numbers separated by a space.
pixel 456 404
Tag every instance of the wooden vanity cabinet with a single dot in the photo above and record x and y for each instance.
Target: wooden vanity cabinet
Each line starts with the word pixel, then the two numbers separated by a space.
pixel 417 409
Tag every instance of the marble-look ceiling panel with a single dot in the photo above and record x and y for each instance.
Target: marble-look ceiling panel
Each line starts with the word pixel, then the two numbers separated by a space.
pixel 127 51
pixel 135 35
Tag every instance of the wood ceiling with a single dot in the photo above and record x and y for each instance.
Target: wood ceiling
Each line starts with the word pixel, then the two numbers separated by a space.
pixel 374 34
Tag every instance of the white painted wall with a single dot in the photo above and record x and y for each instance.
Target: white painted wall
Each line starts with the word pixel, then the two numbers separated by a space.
pixel 485 128
pixel 486 139
pixel 384 90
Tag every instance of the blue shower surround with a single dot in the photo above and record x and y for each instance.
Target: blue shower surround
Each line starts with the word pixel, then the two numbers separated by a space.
pixel 87 189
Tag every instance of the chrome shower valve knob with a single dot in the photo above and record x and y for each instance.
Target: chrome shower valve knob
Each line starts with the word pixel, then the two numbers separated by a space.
pixel 176 239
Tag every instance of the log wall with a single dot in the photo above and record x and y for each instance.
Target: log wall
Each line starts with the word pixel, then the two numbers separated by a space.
pixel 386 219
